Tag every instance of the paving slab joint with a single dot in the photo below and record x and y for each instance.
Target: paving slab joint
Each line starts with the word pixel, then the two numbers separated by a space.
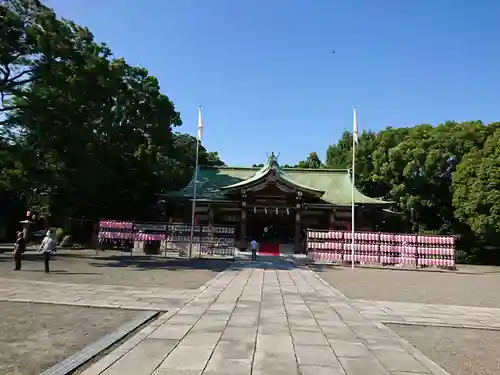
pixel 413 351
pixel 338 292
pixel 215 278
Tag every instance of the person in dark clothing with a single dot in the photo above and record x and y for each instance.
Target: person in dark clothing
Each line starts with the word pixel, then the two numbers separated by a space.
pixel 19 249
pixel 46 259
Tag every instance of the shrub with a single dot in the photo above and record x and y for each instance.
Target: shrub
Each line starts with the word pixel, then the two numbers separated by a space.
pixel 59 234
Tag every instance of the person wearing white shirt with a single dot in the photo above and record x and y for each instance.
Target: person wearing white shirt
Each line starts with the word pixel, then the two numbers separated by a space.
pixel 46 248
pixel 253 246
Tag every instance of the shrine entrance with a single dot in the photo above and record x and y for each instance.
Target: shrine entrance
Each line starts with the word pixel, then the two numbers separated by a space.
pixel 271 204
pixel 271 227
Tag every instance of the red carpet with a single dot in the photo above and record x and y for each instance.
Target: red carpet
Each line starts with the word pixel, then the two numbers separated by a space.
pixel 269 249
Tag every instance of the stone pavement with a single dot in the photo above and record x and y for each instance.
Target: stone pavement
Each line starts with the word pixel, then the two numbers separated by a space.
pixel 266 318
pixel 435 315
pixel 91 295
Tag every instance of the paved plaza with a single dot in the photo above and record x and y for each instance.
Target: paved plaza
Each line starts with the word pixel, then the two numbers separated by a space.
pixel 115 268
pixel 470 285
pixel 264 317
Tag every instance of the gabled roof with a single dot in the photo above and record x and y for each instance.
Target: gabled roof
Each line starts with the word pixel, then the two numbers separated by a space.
pixel 214 182
pixel 272 168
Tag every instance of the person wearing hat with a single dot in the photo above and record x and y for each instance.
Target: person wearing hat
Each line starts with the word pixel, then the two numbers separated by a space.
pixel 46 248
pixel 19 249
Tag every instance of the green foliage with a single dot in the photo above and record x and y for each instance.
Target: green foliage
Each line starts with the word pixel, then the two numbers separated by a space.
pixel 443 179
pixel 82 134
pixel 476 190
pixel 60 234
pixel 312 161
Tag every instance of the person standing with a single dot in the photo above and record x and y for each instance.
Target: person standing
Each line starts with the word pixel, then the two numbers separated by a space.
pixel 19 249
pixel 47 247
pixel 253 246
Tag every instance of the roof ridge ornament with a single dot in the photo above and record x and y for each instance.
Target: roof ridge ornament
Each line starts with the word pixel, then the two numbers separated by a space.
pixel 273 159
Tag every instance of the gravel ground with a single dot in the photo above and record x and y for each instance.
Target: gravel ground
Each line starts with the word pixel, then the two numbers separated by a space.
pixel 459 351
pixel 470 286
pixel 115 269
pixel 35 337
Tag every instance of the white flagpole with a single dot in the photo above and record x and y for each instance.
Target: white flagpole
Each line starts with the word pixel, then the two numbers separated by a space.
pixel 354 142
pixel 195 183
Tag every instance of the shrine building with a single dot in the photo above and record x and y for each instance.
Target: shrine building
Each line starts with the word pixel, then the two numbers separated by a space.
pixel 274 204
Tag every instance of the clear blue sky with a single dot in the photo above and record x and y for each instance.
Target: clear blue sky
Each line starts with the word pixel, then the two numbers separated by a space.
pixel 267 80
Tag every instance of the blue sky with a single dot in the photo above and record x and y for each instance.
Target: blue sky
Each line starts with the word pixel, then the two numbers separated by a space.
pixel 264 71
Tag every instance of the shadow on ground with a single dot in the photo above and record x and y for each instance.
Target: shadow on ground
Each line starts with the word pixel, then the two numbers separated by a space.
pixel 265 263
pixel 62 272
pixel 148 263
pixel 122 262
pixel 215 265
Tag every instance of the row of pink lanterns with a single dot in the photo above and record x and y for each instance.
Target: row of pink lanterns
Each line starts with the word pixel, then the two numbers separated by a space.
pixel 382 237
pixel 383 258
pixel 116 224
pixel 144 237
pixel 372 248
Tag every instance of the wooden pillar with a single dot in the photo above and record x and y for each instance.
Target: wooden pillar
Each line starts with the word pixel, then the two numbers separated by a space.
pixel 211 216
pixel 243 225
pixel 298 227
pixel 243 222
pixel 297 240
pixel 332 220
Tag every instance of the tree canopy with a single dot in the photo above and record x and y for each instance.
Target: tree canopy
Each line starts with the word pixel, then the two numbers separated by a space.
pixel 476 189
pixel 444 179
pixel 82 133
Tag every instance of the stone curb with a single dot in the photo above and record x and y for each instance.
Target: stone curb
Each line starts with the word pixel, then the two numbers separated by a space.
pixel 111 358
pixel 76 360
pixel 417 354
pixel 442 325
pixel 145 307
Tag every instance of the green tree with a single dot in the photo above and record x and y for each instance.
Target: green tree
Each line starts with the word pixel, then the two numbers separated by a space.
pixel 420 167
pixel 339 155
pixel 90 136
pixel 32 39
pixel 476 190
pixel 413 167
pixel 312 161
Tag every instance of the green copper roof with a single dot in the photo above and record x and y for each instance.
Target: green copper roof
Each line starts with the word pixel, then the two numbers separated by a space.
pixel 336 184
pixel 281 176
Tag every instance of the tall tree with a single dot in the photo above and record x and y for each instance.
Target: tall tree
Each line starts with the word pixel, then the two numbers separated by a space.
pixel 91 135
pixel 312 161
pixel 32 39
pixel 476 190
